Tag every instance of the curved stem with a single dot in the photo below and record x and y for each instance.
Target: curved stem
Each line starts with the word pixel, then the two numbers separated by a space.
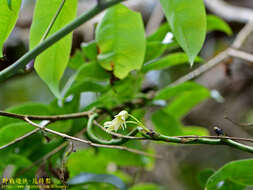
pixel 92 137
pixel 20 63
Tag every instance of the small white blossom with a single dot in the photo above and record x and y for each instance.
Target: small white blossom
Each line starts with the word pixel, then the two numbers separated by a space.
pixel 117 122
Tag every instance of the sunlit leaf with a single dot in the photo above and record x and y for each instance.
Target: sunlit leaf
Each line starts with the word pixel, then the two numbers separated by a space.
pixel 51 64
pixel 187 20
pixel 216 23
pixel 9 11
pixel 121 41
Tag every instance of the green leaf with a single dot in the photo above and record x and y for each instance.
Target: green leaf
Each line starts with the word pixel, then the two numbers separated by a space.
pixel 20 162
pixel 85 79
pixel 229 185
pixel 185 102
pixel 193 130
pixel 85 86
pixel 187 20
pixel 216 23
pixel 90 50
pixel 27 108
pixel 146 186
pixel 12 131
pixel 155 49
pixel 91 71
pixel 166 124
pixel 84 178
pixel 8 18
pixel 204 175
pixel 97 164
pixel 172 91
pixel 76 61
pixel 125 158
pixel 239 172
pixel 160 33
pixel 51 64
pixel 170 60
pixel 121 41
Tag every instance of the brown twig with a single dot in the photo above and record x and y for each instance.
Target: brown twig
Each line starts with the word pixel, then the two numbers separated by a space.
pixel 238 42
pixel 48 117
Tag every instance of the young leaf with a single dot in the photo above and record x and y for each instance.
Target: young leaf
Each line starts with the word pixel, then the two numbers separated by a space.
pixel 8 18
pixel 187 20
pixel 170 60
pixel 216 23
pixel 166 124
pixel 169 92
pixel 84 79
pixel 50 65
pixel 239 172
pixel 186 101
pixel 160 34
pixel 12 131
pixel 121 41
pixel 204 175
pixel 90 50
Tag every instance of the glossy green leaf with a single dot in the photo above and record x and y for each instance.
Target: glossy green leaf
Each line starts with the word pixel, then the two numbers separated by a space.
pixel 187 20
pixel 85 178
pixel 8 17
pixel 51 64
pixel 239 172
pixel 12 131
pixel 229 185
pixel 172 91
pixel 216 23
pixel 185 102
pixel 121 41
pixel 166 124
pixel 170 60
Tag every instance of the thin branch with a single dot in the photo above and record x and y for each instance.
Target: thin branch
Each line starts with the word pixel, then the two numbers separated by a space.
pixel 44 158
pixel 218 137
pixel 238 124
pixel 19 139
pixel 20 63
pixel 202 69
pixel 23 137
pixel 230 12
pixel 241 55
pixel 89 142
pixel 198 140
pixel 238 42
pixel 47 117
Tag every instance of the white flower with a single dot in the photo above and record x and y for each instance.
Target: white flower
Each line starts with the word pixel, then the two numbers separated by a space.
pixel 117 122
